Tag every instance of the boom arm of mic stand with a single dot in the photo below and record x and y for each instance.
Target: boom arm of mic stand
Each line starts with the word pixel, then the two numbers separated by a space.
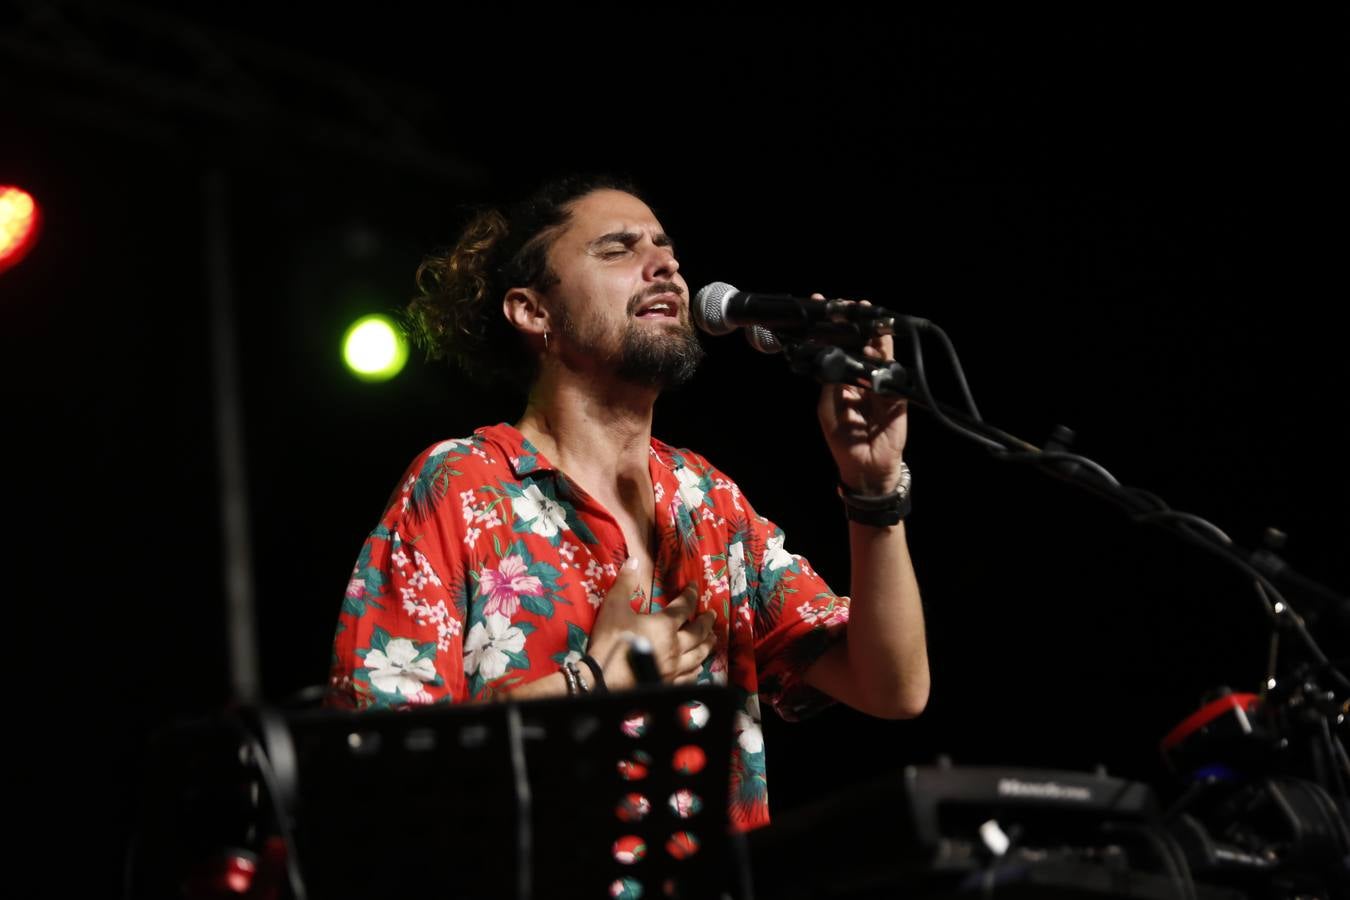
pixel 835 365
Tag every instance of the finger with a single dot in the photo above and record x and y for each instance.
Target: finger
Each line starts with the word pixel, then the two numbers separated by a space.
pixel 686 642
pixel 701 624
pixel 876 345
pixel 690 645
pixel 710 642
pixel 694 656
pixel 879 346
pixel 626 588
pixel 682 607
pixel 696 634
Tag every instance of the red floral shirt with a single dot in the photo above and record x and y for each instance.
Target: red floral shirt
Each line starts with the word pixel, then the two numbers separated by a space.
pixel 487 569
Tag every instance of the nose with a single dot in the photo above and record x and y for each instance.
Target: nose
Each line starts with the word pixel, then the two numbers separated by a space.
pixel 661 264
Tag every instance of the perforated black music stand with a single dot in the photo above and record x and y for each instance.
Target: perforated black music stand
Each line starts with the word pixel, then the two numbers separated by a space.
pixel 610 795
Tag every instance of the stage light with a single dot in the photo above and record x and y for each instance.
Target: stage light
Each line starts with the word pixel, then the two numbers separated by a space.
pixel 374 348
pixel 19 220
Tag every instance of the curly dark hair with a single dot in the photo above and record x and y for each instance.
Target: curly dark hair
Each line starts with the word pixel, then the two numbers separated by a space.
pixel 457 313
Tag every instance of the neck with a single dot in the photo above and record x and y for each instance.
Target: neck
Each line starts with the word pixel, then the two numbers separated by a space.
pixel 598 432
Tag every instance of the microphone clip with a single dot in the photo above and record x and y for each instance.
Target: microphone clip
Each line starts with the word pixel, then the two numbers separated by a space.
pixel 831 364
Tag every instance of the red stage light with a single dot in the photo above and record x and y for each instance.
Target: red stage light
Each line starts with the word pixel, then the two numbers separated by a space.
pixel 19 220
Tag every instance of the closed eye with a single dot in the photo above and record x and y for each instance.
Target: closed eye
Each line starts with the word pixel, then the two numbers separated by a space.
pixel 617 243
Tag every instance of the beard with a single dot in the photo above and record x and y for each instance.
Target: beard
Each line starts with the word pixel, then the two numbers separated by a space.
pixel 648 357
pixel 659 360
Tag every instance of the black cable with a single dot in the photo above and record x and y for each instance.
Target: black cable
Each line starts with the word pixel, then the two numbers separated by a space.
pixel 1150 497
pixel 1190 518
pixel 957 370
pixel 1300 627
pixel 921 379
pixel 1338 748
pixel 1335 760
pixel 1040 457
pixel 917 324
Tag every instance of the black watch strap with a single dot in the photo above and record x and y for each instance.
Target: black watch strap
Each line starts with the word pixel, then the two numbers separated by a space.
pixel 880 510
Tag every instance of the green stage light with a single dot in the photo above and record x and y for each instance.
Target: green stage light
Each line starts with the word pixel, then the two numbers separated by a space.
pixel 374 348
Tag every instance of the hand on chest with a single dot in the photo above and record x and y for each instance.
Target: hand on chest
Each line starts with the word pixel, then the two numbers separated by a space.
pixel 555 550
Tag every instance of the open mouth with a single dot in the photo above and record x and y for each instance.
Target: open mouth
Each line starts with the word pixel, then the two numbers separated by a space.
pixel 662 306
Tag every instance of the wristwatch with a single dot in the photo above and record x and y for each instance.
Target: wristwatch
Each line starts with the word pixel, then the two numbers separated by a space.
pixel 878 510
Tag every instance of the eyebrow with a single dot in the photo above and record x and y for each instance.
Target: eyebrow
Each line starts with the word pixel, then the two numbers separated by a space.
pixel 660 239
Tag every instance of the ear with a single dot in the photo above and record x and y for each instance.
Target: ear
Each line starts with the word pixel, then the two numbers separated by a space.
pixel 524 308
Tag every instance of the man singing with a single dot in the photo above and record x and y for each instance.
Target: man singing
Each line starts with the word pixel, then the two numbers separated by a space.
pixel 512 562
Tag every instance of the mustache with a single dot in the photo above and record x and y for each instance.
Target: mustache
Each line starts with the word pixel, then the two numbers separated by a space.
pixel 660 287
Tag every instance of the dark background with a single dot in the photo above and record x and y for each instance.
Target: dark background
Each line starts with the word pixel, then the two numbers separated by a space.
pixel 1133 227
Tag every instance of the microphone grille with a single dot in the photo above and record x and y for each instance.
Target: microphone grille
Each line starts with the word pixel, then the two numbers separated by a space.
pixel 710 307
pixel 763 340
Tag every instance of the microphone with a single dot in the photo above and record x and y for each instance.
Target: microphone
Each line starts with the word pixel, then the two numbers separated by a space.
pixel 641 660
pixel 839 334
pixel 763 340
pixel 719 308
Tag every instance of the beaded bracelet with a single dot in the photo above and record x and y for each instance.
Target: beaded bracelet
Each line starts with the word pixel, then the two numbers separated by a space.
pixel 570 676
pixel 576 676
pixel 596 672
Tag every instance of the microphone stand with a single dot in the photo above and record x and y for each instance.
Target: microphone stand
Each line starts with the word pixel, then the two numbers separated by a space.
pixel 833 364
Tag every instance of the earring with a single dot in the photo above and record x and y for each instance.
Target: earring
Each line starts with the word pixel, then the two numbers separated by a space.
pixel 545 341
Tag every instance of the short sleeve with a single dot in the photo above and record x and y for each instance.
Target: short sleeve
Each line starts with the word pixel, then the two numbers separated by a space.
pixel 796 617
pixel 398 639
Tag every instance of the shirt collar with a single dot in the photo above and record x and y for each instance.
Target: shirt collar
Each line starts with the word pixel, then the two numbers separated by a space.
pixel 522 457
pixel 525 458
